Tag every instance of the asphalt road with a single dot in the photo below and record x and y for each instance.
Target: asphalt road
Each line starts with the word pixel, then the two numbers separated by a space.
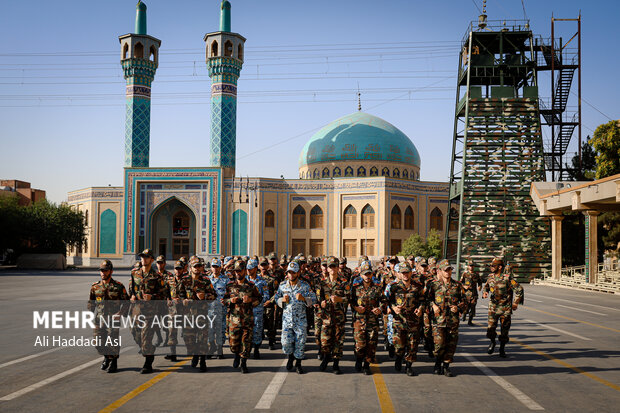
pixel 563 356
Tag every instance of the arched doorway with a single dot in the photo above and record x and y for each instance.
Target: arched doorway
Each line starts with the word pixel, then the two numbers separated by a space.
pixel 173 229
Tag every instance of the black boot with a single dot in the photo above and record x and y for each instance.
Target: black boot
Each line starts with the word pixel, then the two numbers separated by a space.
pixel 398 364
pixel 236 361
pixel 220 357
pixel 464 316
pixel 409 370
pixel 323 365
pixel 256 352
pixel 244 367
pixel 195 360
pixel 113 367
pixel 491 347
pixel 336 367
pixel 172 356
pixel 438 369
pixel 298 366
pixel 105 363
pixel 272 345
pixel 502 350
pixel 366 369
pixel 319 356
pixel 446 370
pixel 358 364
pixel 471 317
pixel 203 364
pixel 391 351
pixel 289 363
pixel 148 365
pixel 428 346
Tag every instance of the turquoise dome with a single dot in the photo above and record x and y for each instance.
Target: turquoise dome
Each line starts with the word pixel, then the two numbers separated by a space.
pixel 360 137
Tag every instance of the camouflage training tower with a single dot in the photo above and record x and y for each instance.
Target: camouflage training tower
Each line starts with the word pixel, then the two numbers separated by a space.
pixel 497 152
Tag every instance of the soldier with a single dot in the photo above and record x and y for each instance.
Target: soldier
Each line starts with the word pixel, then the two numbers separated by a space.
pixel 240 298
pixel 293 296
pixel 318 321
pixel 447 299
pixel 332 293
pixel 259 310
pixel 344 270
pixel 388 276
pixel 184 262
pixel 406 299
pixel 269 316
pixel 366 299
pixel 108 300
pixel 173 283
pixel 194 289
pixel 160 262
pixel 503 288
pixel 472 284
pixel 430 274
pixel 274 267
pixel 219 282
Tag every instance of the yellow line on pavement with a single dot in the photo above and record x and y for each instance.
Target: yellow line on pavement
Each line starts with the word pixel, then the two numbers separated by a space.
pixel 572 319
pixel 567 365
pixel 382 391
pixel 115 405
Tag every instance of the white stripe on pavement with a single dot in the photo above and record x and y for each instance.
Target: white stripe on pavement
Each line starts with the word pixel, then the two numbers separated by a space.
pixel 558 330
pixel 9 363
pixel 573 302
pixel 536 301
pixel 518 394
pixel 579 309
pixel 54 378
pixel 273 389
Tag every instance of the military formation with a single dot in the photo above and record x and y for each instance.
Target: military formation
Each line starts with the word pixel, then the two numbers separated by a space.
pixel 410 302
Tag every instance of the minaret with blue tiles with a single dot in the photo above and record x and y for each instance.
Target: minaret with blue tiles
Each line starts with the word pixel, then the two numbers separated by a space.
pixel 139 58
pixel 224 53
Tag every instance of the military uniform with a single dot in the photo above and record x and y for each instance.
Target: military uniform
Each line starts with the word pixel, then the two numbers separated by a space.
pixel 191 288
pixel 153 284
pixel 172 286
pixel 219 284
pixel 269 317
pixel 259 310
pixel 471 282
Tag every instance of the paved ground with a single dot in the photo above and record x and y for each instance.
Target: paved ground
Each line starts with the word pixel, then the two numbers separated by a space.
pixel 564 356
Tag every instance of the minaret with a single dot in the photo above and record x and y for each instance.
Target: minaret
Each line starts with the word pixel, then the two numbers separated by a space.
pixel 139 58
pixel 224 53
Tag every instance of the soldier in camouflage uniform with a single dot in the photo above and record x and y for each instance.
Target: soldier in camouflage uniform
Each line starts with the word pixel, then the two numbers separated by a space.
pixel 344 270
pixel 447 299
pixel 318 321
pixel 160 262
pixel 241 298
pixel 471 283
pixel 506 295
pixel 219 282
pixel 366 299
pixel 108 299
pixel 430 274
pixel 332 293
pixel 293 296
pixel 388 276
pixel 259 310
pixel 269 316
pixel 173 282
pixel 406 299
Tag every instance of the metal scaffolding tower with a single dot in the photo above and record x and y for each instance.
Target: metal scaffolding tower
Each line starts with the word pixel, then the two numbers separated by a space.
pixel 497 152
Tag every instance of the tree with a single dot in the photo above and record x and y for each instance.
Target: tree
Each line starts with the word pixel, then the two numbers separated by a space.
pixel 434 244
pixel 606 142
pixel 416 246
pixel 586 170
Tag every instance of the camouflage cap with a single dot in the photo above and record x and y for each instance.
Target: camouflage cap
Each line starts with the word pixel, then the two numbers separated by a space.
pixel 423 262
pixel 194 261
pixel 497 261
pixel 324 261
pixel 343 260
pixel 160 258
pixel 310 258
pixel 227 260
pixel 183 260
pixel 215 262
pixel 146 253
pixel 432 261
pixel 403 267
pixel 332 261
pixel 394 258
pixel 301 259
pixel 239 265
pixel 106 265
pixel 444 265
pixel 292 267
pixel 252 264
pixel 178 265
pixel 263 261
pixel 365 268
pixel 418 259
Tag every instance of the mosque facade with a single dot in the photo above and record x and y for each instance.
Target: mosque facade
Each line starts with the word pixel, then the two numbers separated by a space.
pixel 358 191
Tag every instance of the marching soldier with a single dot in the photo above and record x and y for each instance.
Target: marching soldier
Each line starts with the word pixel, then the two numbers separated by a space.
pixel 366 299
pixel 318 321
pixel 406 299
pixel 388 276
pixel 173 282
pixel 160 262
pixel 219 282
pixel 505 296
pixel 270 310
pixel 447 298
pixel 344 270
pixel 259 310
pixel 471 283
pixel 108 299
pixel 240 298
pixel 292 296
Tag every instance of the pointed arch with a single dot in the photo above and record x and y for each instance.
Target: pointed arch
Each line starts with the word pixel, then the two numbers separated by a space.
pixel 368 217
pixel 240 51
pixel 325 173
pixel 299 217
pixel 214 48
pixel 374 171
pixel 361 171
pixel 316 217
pixel 348 171
pixel 405 174
pixel 396 173
pixel 409 218
pixel 240 232
pixel 350 217
pixel 107 232
pixel 125 51
pixel 385 171
pixel 396 218
pixel 228 48
pixel 153 54
pixel 315 174
pixel 436 219
pixel 269 219
pixel 337 172
pixel 138 51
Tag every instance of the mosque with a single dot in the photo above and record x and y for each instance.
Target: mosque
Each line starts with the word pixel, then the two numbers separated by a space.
pixel 358 191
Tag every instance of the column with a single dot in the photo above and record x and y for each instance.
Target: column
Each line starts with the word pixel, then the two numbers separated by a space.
pixel 556 246
pixel 591 246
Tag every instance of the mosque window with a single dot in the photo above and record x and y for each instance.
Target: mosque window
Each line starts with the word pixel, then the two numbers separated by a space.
pixel 337 172
pixel 153 54
pixel 125 50
pixel 348 171
pixel 214 48
pixel 436 219
pixel 385 171
pixel 350 215
pixel 240 52
pixel 138 51
pixel 228 48
pixel 361 171
pixel 269 219
pixel 454 220
pixel 405 174
pixel 325 173
pixel 374 171
pixel 409 218
pixel 396 218
pixel 396 173
pixel 316 217
pixel 414 175
pixel 299 217
pixel 368 217
pixel 315 174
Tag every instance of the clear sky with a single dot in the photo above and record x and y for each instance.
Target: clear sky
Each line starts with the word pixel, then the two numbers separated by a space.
pixel 62 104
